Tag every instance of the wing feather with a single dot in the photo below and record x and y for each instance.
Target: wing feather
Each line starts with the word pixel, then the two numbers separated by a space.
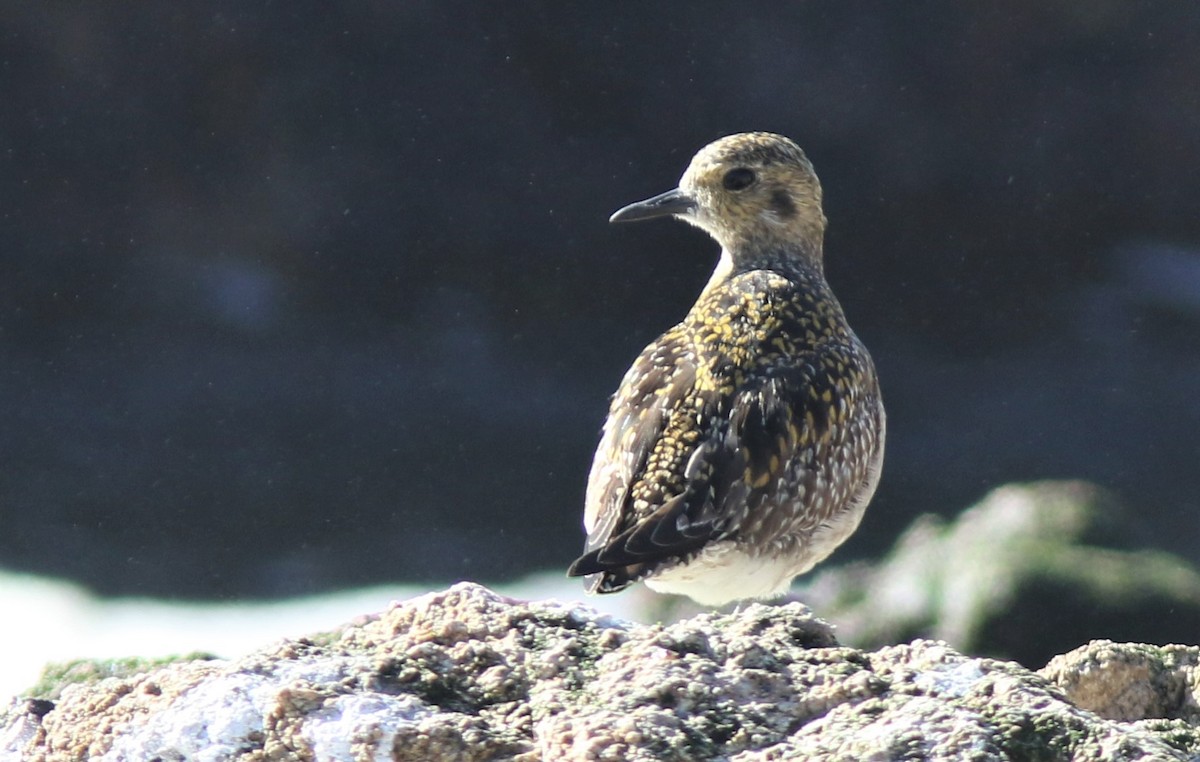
pixel 637 417
pixel 745 445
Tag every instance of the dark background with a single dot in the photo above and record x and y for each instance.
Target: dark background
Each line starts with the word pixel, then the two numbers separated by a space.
pixel 296 297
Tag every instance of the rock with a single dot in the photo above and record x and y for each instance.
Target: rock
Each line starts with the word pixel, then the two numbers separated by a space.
pixel 1128 682
pixel 466 674
pixel 1031 571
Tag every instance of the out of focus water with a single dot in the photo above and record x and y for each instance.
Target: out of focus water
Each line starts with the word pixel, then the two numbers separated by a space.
pixel 295 298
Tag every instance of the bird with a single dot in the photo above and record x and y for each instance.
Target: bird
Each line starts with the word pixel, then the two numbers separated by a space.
pixel 744 444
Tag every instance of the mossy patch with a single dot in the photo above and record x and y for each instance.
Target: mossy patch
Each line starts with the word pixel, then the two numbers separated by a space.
pixel 58 675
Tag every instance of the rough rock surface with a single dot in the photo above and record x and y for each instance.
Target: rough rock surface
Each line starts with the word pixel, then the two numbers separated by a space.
pixel 1130 681
pixel 1031 571
pixel 468 675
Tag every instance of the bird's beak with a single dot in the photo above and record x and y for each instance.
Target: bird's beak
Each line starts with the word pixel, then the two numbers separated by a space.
pixel 671 202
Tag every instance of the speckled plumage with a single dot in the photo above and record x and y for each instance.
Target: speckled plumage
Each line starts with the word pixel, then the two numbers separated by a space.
pixel 743 445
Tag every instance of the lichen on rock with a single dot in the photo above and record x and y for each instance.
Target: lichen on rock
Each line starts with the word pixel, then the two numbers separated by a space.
pixel 466 674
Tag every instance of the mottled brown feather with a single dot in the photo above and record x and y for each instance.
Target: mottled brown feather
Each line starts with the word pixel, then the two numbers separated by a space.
pixel 755 421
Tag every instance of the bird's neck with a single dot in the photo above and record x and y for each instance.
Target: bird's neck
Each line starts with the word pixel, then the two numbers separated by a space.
pixel 790 261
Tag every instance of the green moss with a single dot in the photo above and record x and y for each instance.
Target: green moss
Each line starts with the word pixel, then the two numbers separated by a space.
pixel 1053 737
pixel 325 639
pixel 58 675
pixel 1177 734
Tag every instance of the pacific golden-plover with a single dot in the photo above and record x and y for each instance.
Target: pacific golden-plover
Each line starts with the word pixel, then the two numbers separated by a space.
pixel 744 444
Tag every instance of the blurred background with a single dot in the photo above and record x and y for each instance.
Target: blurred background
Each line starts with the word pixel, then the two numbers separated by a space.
pixel 298 297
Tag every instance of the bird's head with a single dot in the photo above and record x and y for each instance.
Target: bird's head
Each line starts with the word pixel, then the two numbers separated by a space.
pixel 753 191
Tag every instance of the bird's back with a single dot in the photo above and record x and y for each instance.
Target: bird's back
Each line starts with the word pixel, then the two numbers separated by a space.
pixel 743 445
pixel 737 425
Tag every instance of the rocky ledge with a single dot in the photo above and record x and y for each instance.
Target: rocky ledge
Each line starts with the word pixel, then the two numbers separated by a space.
pixel 466 674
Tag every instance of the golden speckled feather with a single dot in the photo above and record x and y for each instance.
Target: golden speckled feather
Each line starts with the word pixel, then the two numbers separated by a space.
pixel 743 445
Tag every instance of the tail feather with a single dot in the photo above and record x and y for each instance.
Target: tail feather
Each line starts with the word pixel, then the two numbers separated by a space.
pixel 603 579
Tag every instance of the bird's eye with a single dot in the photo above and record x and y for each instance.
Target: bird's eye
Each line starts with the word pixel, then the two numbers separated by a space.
pixel 738 178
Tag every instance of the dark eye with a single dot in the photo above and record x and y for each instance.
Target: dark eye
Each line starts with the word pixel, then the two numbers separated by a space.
pixel 738 178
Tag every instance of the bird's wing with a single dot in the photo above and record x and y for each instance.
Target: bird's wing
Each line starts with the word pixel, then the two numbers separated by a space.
pixel 658 380
pixel 750 447
pixel 744 444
